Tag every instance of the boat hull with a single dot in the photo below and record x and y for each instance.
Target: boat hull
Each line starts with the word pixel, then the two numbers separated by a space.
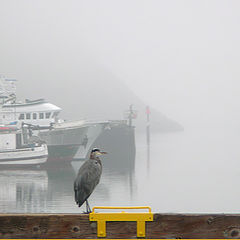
pixel 93 132
pixel 25 156
pixel 63 143
pixel 119 142
pixel 64 152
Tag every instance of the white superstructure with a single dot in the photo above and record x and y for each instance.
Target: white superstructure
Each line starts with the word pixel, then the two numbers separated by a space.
pixel 36 112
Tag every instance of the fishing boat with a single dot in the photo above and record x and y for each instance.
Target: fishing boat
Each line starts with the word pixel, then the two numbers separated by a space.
pixel 16 148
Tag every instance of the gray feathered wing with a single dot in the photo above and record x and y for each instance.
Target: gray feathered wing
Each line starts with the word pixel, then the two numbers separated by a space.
pixel 88 177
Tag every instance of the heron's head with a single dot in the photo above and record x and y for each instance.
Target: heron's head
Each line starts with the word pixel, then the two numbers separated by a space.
pixel 96 153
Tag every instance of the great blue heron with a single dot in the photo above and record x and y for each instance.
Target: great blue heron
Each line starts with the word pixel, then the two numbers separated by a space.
pixel 88 177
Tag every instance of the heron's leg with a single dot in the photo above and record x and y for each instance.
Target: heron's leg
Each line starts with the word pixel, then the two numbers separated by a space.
pixel 88 207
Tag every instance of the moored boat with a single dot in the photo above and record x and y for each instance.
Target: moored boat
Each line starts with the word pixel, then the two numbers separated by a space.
pixel 17 149
pixel 65 139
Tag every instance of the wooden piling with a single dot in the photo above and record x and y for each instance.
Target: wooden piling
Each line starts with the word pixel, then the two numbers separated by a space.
pixel 199 226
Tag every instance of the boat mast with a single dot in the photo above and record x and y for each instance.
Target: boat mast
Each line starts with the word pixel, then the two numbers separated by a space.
pixel 7 89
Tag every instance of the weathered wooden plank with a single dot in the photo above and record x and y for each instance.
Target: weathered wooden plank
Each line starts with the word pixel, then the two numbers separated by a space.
pixel 78 226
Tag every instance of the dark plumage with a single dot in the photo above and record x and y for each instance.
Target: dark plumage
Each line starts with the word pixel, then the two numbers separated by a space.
pixel 87 179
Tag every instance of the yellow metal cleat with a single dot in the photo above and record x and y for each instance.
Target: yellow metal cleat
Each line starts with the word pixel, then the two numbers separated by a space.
pixel 104 217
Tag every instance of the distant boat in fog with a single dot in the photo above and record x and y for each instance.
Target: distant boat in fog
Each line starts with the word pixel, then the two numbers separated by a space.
pixel 65 139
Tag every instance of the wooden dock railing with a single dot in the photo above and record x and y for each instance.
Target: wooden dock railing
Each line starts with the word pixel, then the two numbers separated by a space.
pixel 78 226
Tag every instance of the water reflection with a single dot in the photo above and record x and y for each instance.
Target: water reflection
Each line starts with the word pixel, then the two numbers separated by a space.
pixel 185 167
pixel 23 190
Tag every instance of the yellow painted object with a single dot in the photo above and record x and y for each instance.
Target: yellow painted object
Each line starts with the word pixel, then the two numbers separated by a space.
pixel 102 218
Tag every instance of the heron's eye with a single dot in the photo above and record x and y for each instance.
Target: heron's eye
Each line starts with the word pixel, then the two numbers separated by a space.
pixel 96 162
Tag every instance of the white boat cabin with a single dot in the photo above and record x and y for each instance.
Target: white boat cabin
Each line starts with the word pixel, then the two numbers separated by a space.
pixel 38 112
pixel 17 147
pixel 35 112
pixel 12 138
pixel 8 141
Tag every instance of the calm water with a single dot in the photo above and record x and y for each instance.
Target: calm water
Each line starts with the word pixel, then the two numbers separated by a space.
pixel 196 170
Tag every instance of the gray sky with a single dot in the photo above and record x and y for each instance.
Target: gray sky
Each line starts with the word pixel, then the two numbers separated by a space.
pixel 179 56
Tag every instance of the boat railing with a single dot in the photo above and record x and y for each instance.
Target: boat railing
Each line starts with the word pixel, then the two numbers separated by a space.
pixel 85 122
pixel 107 121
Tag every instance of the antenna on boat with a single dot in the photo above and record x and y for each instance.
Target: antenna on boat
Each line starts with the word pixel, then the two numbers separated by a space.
pixel 7 87
pixel 130 115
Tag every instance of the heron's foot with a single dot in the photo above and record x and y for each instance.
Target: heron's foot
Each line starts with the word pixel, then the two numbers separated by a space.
pixel 87 212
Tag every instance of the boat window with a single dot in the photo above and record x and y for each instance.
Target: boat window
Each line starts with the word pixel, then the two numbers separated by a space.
pixel 28 116
pixel 34 116
pixel 48 114
pixel 21 116
pixel 41 115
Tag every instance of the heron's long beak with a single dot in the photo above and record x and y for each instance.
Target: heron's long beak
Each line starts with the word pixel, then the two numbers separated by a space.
pixel 101 153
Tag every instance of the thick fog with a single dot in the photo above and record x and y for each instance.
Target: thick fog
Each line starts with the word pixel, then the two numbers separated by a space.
pixel 94 58
pixel 180 57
